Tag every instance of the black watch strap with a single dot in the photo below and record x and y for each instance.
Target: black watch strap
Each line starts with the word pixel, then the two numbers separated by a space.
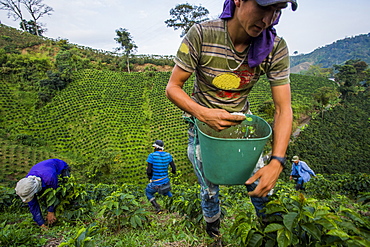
pixel 282 160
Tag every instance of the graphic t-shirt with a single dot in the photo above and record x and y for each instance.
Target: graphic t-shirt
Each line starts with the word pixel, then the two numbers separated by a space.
pixel 223 77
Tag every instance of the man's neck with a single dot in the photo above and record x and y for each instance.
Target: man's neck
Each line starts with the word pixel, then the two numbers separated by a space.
pixel 241 40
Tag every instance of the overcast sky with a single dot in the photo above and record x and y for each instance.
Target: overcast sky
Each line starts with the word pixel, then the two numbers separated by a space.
pixel 92 23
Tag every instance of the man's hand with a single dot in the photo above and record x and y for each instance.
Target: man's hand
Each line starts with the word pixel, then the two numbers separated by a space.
pixel 219 119
pixel 51 218
pixel 267 175
pixel 43 227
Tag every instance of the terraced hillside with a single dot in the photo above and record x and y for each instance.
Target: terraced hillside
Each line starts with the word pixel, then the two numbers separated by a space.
pixel 104 123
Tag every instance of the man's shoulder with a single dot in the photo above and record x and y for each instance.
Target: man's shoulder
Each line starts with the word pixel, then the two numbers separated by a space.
pixel 212 23
pixel 279 42
pixel 211 26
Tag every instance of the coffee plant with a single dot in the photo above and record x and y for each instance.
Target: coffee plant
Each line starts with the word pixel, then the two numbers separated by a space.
pixel 299 221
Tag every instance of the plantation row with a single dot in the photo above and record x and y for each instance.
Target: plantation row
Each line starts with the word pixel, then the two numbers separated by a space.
pixel 119 215
pixel 338 140
pixel 104 122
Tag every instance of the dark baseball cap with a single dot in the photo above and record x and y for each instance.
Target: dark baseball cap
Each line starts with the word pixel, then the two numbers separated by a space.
pixel 269 2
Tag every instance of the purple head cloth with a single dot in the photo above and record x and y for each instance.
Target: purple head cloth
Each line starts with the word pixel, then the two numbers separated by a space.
pixel 262 45
pixel 228 10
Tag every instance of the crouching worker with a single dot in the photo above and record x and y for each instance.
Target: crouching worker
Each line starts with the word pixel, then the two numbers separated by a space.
pixel 157 171
pixel 42 176
pixel 301 173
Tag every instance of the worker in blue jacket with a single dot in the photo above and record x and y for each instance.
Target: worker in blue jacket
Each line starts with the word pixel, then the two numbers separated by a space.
pixel 157 172
pixel 42 176
pixel 301 173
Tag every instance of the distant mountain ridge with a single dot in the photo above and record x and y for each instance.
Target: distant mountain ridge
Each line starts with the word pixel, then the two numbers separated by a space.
pixel 357 47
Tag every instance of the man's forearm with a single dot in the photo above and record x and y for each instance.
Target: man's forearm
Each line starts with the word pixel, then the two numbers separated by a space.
pixel 281 132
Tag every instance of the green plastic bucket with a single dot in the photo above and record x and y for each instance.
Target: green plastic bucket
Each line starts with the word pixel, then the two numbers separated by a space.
pixel 230 156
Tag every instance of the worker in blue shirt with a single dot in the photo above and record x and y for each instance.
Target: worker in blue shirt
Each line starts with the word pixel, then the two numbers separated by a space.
pixel 42 176
pixel 157 171
pixel 301 173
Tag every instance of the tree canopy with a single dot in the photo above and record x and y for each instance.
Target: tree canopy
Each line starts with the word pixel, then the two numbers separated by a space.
pixel 350 75
pixel 127 43
pixel 184 16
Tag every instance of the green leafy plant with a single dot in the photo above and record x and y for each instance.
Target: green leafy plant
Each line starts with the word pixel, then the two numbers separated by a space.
pixel 8 199
pixel 69 199
pixel 299 221
pixel 84 237
pixel 122 209
pixel 14 235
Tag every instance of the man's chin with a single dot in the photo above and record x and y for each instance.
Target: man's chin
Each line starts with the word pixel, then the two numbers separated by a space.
pixel 255 32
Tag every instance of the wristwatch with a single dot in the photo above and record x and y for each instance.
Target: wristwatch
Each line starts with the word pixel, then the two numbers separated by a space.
pixel 282 160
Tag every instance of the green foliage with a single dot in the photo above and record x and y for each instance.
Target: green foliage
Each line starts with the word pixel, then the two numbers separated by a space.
pixel 159 60
pixel 11 39
pixel 32 27
pixel 186 203
pixel 347 184
pixel 267 108
pixel 339 141
pixel 184 16
pixel 125 40
pixel 3 57
pixel 103 123
pixel 122 209
pixel 302 88
pixel 69 199
pixel 17 235
pixel 349 77
pixel 8 199
pixel 106 114
pixel 127 44
pixel 84 237
pixel 324 96
pixel 150 68
pixel 106 121
pixel 316 70
pixel 300 221
pixel 294 219
pixel 364 197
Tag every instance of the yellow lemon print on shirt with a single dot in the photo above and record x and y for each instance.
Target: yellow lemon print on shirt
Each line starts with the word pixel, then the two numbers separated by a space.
pixel 184 48
pixel 226 81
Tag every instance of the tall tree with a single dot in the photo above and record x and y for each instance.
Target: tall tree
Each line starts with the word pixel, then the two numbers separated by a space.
pixel 317 70
pixel 347 79
pixel 37 9
pixel 184 16
pixel 324 97
pixel 360 67
pixel 14 10
pixel 128 46
pixel 31 27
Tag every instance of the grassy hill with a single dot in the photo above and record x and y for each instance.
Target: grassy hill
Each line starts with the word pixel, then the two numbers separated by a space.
pixel 103 121
pixel 340 51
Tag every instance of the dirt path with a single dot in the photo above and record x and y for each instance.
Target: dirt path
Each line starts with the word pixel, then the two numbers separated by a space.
pixel 303 123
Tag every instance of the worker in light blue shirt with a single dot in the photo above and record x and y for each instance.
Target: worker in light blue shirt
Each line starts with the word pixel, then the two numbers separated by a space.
pixel 42 176
pixel 301 173
pixel 157 172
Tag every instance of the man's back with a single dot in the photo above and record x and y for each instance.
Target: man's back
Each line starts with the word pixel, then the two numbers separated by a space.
pixel 160 161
